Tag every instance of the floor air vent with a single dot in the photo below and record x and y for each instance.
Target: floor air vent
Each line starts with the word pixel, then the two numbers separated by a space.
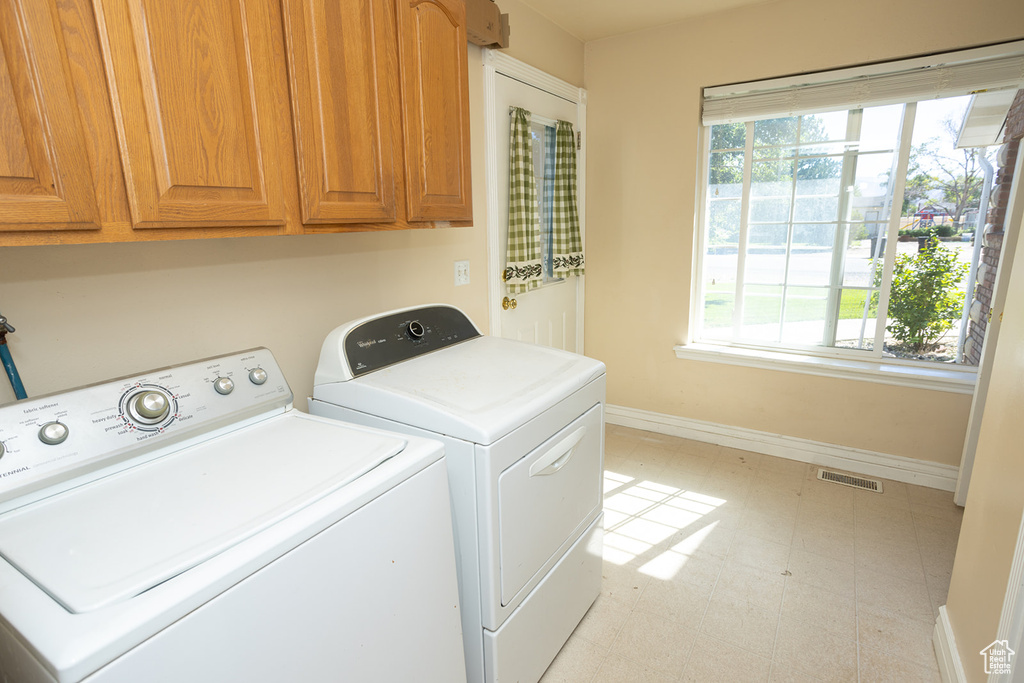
pixel 848 480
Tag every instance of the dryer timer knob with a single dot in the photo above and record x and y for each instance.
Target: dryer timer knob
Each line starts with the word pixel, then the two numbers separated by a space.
pixel 416 329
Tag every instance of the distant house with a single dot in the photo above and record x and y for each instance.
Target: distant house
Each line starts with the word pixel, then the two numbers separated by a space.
pixel 928 214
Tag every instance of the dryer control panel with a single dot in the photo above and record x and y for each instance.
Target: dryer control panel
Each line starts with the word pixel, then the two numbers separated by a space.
pixel 66 435
pixel 395 337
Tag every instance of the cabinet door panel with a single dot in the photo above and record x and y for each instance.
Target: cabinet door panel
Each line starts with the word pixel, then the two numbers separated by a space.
pixel 194 105
pixel 45 183
pixel 343 78
pixel 435 91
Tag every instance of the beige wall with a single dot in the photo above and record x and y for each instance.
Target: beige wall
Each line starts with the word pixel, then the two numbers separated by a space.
pixel 995 502
pixel 643 118
pixel 85 313
pixel 536 41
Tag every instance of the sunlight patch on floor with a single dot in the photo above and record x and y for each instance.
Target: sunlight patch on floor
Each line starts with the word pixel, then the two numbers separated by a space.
pixel 643 514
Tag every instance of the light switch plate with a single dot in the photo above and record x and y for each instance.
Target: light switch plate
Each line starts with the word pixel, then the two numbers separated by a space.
pixel 461 273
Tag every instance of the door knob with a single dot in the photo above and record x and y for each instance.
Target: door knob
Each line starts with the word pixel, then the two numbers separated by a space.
pixel 507 303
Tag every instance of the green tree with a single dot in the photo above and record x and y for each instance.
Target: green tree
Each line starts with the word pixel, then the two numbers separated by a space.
pixel 955 175
pixel 772 138
pixel 729 139
pixel 924 300
pixel 919 183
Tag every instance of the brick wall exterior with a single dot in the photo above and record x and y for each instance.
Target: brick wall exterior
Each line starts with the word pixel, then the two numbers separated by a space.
pixel 994 231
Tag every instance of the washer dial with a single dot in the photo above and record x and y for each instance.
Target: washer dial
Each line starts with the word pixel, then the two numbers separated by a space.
pixel 149 406
pixel 53 433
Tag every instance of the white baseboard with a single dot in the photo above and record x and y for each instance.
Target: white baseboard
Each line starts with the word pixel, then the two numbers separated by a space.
pixel 855 460
pixel 950 667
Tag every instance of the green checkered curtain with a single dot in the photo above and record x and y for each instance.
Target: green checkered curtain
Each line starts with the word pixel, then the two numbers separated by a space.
pixel 523 269
pixel 566 244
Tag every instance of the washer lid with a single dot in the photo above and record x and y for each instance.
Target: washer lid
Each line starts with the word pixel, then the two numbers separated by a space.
pixel 477 391
pixel 114 538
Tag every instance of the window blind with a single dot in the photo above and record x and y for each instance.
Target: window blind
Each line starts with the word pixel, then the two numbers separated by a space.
pixel 945 75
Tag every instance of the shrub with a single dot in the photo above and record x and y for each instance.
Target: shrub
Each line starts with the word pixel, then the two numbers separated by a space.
pixel 938 230
pixel 924 301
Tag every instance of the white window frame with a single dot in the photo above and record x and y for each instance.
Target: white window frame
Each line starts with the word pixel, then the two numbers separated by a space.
pixel 820 94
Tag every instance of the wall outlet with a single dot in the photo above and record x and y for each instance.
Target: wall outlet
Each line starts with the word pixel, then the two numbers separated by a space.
pixel 461 273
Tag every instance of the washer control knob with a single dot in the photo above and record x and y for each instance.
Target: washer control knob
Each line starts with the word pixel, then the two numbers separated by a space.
pixel 53 433
pixel 2 449
pixel 416 329
pixel 151 405
pixel 224 385
pixel 257 375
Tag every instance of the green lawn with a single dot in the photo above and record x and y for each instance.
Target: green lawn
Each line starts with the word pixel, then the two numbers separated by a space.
pixel 765 309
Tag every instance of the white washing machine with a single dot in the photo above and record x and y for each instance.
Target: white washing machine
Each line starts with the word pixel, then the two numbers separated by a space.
pixel 188 525
pixel 523 428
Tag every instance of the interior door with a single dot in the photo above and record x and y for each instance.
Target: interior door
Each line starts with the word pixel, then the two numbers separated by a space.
pixel 547 315
pixel 1012 222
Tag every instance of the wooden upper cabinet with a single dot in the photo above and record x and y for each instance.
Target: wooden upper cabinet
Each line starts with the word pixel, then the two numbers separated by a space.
pixel 194 106
pixel 45 182
pixel 435 94
pixel 343 80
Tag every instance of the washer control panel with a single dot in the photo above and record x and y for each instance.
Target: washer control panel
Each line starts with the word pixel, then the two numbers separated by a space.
pixel 65 435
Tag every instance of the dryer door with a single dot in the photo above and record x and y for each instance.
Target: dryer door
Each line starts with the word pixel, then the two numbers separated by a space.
pixel 547 499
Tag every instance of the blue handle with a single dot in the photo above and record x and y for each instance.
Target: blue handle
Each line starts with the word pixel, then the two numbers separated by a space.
pixel 12 371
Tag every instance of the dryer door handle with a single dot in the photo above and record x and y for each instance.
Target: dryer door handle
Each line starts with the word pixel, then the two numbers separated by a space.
pixel 555 459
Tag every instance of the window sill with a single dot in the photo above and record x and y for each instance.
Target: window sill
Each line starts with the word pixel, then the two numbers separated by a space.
pixel 934 378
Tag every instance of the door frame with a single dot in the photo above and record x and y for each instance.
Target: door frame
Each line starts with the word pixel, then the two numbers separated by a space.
pixel 496 63
pixel 1012 221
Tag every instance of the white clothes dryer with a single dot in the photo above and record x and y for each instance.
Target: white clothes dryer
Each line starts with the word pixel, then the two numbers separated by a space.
pixel 523 428
pixel 188 525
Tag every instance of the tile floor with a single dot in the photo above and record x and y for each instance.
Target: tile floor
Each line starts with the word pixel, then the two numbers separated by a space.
pixel 726 565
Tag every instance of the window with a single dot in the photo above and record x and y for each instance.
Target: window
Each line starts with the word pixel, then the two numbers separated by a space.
pixel 821 230
pixel 543 132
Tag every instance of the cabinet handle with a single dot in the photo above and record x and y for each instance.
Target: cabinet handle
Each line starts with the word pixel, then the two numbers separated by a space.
pixel 555 459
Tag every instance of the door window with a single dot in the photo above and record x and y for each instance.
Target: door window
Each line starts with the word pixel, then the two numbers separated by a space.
pixel 543 134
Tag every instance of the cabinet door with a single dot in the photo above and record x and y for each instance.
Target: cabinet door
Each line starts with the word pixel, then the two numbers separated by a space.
pixel 45 183
pixel 191 82
pixel 343 79
pixel 435 94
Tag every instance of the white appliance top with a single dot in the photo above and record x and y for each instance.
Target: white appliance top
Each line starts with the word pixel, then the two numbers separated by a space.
pixel 477 390
pixel 119 536
pixel 127 504
pixel 64 439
